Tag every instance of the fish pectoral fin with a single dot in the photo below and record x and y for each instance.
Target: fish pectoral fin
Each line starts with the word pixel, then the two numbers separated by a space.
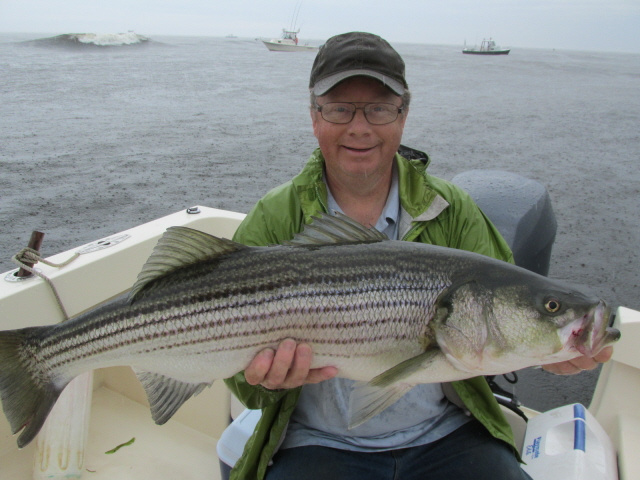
pixel 404 369
pixel 166 395
pixel 367 401
pixel 370 398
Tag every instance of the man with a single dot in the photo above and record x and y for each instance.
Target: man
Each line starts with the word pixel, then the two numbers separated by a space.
pixel 359 106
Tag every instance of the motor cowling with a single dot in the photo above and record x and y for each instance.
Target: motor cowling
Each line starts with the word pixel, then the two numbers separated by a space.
pixel 521 210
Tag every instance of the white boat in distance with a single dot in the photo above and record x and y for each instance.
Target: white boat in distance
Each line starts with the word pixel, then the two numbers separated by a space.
pixel 289 42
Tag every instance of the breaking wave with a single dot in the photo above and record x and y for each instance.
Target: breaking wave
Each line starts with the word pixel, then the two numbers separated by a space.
pixel 97 40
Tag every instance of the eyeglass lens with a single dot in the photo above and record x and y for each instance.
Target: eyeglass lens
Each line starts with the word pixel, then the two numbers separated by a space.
pixel 375 113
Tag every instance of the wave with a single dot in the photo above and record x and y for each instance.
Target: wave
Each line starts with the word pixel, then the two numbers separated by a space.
pixel 98 40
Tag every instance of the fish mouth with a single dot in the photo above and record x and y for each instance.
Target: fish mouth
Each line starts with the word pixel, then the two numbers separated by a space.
pixel 593 332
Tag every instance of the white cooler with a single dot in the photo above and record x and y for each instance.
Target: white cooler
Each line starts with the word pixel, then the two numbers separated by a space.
pixel 232 441
pixel 568 443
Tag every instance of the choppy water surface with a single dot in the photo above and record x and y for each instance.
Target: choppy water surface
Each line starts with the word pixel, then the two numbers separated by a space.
pixel 98 139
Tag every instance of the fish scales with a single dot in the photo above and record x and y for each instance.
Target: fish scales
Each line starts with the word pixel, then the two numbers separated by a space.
pixel 359 300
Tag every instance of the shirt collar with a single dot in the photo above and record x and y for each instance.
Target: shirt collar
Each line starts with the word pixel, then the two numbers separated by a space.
pixel 388 221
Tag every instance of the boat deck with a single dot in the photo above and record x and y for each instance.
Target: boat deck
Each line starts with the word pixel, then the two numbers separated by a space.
pixel 185 447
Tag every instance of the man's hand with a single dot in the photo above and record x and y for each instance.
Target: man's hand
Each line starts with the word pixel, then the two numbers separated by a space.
pixel 287 367
pixel 579 364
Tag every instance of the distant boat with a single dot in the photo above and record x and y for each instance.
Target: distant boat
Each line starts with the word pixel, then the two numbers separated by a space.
pixel 287 43
pixel 488 47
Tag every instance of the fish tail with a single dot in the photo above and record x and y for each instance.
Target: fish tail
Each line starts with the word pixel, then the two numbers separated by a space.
pixel 27 398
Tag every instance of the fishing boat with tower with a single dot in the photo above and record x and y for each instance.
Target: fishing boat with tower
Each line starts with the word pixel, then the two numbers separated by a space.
pixel 289 41
pixel 487 47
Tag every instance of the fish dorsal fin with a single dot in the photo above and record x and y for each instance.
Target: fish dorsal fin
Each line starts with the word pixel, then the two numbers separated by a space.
pixel 166 395
pixel 335 230
pixel 179 247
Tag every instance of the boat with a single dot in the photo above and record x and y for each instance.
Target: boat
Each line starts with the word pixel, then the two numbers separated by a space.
pixel 488 47
pixel 103 429
pixel 288 42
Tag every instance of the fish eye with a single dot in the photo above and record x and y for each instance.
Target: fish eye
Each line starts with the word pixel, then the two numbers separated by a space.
pixel 552 305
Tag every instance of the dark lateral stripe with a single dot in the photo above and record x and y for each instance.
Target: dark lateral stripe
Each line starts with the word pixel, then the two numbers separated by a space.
pixel 357 273
pixel 245 284
pixel 125 319
pixel 256 297
pixel 126 336
pixel 232 348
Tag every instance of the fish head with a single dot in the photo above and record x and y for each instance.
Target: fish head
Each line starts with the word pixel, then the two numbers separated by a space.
pixel 497 326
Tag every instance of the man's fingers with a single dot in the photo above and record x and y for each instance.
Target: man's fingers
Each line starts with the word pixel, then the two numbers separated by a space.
pixel 300 366
pixel 604 355
pixel 257 370
pixel 579 364
pixel 318 375
pixel 287 367
pixel 282 363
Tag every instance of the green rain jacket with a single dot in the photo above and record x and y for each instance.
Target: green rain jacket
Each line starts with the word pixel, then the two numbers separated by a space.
pixel 432 211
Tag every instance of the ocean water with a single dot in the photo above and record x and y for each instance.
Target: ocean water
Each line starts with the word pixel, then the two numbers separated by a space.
pixel 97 139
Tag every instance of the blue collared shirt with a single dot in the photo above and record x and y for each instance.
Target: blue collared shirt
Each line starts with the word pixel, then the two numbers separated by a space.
pixel 388 221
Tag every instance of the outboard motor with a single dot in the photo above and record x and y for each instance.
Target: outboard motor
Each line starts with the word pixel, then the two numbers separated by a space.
pixel 520 208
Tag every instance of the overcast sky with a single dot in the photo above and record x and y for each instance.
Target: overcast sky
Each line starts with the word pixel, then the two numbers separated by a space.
pixel 600 25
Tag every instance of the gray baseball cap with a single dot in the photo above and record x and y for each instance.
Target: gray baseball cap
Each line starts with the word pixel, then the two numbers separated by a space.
pixel 357 54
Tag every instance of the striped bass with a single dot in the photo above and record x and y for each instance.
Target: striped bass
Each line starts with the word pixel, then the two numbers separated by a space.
pixel 390 314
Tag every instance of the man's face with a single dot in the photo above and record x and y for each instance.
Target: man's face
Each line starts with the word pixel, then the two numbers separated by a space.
pixel 358 148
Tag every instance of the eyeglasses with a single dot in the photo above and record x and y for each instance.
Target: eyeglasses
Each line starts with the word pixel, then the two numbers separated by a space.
pixel 375 113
